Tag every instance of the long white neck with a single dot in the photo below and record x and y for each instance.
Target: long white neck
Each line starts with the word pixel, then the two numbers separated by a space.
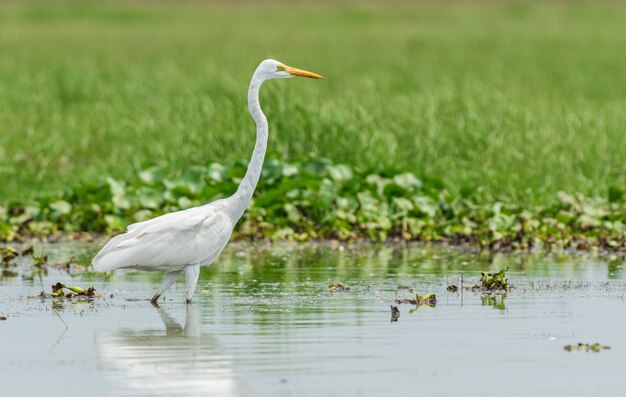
pixel 242 197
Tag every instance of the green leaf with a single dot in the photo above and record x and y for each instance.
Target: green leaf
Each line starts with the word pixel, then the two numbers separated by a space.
pixel 152 175
pixel 62 207
pixel 340 173
pixel 407 181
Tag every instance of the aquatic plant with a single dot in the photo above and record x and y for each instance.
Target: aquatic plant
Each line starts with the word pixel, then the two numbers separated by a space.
pixel 489 282
pixel 587 347
pixel 58 291
pixel 338 288
pixel 428 299
pixel 316 198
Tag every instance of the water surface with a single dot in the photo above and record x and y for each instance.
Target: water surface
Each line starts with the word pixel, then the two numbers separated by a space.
pixel 263 323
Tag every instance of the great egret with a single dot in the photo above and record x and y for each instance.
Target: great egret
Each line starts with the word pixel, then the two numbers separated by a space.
pixel 182 241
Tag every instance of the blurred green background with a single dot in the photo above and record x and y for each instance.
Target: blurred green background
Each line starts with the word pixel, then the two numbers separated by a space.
pixel 522 99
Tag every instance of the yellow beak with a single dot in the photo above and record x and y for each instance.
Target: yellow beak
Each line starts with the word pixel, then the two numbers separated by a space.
pixel 302 73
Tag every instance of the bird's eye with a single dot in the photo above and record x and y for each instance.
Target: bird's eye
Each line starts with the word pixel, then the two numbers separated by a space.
pixel 280 68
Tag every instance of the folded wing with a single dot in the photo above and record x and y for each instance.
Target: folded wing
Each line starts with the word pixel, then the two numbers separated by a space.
pixel 168 242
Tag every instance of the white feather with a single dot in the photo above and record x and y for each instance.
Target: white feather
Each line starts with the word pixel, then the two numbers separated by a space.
pixel 188 238
pixel 168 242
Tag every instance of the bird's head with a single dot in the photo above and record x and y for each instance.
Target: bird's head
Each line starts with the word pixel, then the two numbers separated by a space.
pixel 270 69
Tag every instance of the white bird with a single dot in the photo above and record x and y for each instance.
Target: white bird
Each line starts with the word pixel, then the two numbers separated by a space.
pixel 182 241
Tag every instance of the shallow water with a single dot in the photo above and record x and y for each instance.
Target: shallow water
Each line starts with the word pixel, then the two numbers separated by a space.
pixel 263 323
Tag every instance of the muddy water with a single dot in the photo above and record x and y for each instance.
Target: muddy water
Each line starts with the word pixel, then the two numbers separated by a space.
pixel 263 323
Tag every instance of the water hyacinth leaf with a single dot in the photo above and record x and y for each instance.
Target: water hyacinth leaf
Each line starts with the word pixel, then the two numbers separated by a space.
pixel 7 232
pixel 402 205
pixel 407 181
pixel 292 212
pixel 178 189
pixel 117 187
pixel 339 173
pixel 347 203
pixel 426 205
pixel 150 198
pixel 61 207
pixel 47 227
pixel 587 221
pixel 76 289
pixel 194 174
pixel 379 182
pixel 290 170
pixel 152 175
pixel 142 215
pixel 184 202
pixel 568 199
pixel 393 190
pixel 8 253
pixel 118 193
pixel 293 194
pixel 316 198
pixel 283 233
pixel 21 219
pixel 235 174
pixel 216 173
pixel 272 170
pixel 114 222
pixel 316 166
pixel 367 201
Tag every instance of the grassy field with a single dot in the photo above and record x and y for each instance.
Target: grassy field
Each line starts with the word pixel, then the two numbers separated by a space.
pixel 521 99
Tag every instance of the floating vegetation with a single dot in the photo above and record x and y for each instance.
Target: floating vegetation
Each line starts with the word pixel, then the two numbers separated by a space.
pixel 7 273
pixel 338 288
pixel 395 313
pixel 58 291
pixel 490 281
pixel 495 281
pixel 428 300
pixel 8 253
pixel 586 347
pixel 2 318
pixel 316 199
pixel 39 260
pixel 495 301
pixel 410 301
pixel 452 288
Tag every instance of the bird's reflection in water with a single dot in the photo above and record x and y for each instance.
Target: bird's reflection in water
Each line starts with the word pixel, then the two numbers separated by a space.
pixel 179 361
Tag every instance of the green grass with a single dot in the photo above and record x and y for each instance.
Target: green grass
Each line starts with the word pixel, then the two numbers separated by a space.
pixel 522 99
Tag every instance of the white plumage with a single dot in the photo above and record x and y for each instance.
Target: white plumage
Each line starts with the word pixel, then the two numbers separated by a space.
pixel 182 241
pixel 189 237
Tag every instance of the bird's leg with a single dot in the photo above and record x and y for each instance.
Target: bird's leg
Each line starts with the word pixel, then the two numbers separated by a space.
pixel 192 272
pixel 169 279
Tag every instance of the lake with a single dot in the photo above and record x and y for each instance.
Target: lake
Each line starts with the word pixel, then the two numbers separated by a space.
pixel 264 323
